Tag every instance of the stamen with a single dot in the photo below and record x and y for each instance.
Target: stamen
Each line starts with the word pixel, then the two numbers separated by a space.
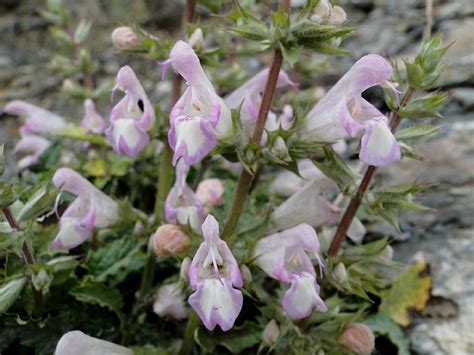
pixel 214 264
pixel 320 263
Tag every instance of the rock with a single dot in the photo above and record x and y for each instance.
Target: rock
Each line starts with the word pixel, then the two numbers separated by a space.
pixel 465 96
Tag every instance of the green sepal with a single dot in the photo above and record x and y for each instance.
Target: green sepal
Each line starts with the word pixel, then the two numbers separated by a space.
pixel 425 107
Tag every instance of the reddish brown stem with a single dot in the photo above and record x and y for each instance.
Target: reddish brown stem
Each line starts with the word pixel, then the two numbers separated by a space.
pixel 188 13
pixel 245 179
pixel 15 225
pixel 356 200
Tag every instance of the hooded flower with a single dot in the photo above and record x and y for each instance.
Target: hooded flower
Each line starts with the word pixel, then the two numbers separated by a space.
pixel 131 117
pixel 182 206
pixel 92 121
pixel 250 96
pixel 214 273
pixel 169 302
pixel 33 146
pixel 284 257
pixel 200 117
pixel 91 208
pixel 343 113
pixel 76 342
pixel 37 120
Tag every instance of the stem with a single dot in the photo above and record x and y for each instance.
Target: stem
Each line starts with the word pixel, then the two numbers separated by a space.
pixel 356 200
pixel 188 341
pixel 38 296
pixel 245 179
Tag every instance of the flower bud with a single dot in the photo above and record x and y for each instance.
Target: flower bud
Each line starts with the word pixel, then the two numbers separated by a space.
pixel 41 281
pixel 124 37
pixel 209 192
pixel 338 16
pixel 170 240
pixel 339 273
pixel 196 41
pixel 184 269
pixel 246 274
pixel 271 332
pixel 322 12
pixel 357 338
pixel 387 254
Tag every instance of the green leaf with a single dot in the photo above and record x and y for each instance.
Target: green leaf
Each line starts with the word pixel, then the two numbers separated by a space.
pixel 425 107
pixel 79 134
pixel 252 31
pixel 410 290
pixel 323 48
pixel 336 169
pixel 82 31
pixel 311 30
pixel 291 54
pixel 96 293
pixel 415 75
pixel 417 134
pixel 7 194
pixel 50 157
pixel 40 203
pixel 383 325
pixel 9 292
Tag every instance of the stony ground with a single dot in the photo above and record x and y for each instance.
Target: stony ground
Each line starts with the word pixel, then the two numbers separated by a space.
pixel 443 236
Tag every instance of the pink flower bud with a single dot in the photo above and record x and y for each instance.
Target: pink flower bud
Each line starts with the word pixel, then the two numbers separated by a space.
pixel 170 240
pixel 357 338
pixel 271 332
pixel 209 192
pixel 124 37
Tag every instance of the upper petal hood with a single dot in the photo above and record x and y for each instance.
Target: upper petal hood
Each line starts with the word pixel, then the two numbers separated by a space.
pixel 76 342
pixel 37 119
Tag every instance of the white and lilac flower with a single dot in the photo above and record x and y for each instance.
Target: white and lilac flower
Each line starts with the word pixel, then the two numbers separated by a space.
pixel 31 146
pixel 169 302
pixel 182 205
pixel 37 120
pixel 132 117
pixel 92 121
pixel 250 96
pixel 284 257
pixel 343 113
pixel 200 117
pixel 213 274
pixel 76 342
pixel 91 208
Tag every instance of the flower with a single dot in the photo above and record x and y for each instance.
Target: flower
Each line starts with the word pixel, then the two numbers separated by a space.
pixel 200 117
pixel 250 96
pixel 92 121
pixel 76 342
pixel 131 117
pixel 284 257
pixel 209 192
pixel 306 206
pixel 124 37
pixel 170 240
pixel 37 119
pixel 343 113
pixel 182 205
pixel 91 208
pixel 169 302
pixel 214 273
pixel 33 146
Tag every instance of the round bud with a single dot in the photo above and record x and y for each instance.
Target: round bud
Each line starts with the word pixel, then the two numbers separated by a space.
pixel 339 273
pixel 246 274
pixel 210 191
pixel 357 338
pixel 271 332
pixel 196 40
pixel 124 37
pixel 338 16
pixel 170 240
pixel 322 12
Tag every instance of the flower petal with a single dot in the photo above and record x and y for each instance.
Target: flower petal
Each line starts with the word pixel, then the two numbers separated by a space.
pixel 378 146
pixel 127 137
pixel 217 302
pixel 191 138
pixel 302 297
